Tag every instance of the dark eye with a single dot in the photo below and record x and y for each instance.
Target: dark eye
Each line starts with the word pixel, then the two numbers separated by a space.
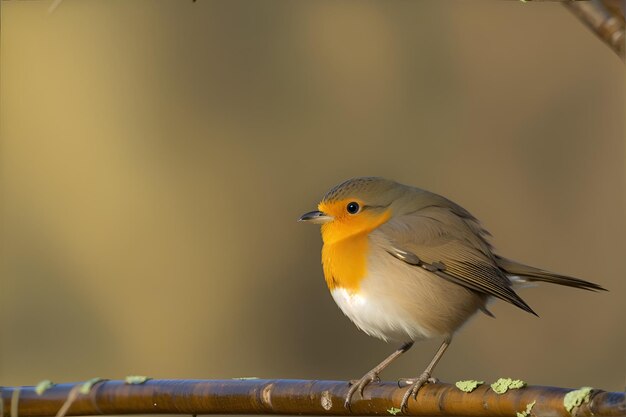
pixel 353 208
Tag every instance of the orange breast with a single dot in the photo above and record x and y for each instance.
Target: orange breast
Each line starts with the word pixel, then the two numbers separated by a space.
pixel 345 250
pixel 345 262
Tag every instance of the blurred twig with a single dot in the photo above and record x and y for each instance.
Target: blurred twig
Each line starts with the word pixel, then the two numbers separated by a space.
pixel 256 396
pixel 605 18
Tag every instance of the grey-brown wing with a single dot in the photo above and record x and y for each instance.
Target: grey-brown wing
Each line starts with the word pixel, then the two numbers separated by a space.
pixel 439 242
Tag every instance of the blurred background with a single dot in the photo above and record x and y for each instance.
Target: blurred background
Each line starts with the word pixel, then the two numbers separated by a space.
pixel 156 154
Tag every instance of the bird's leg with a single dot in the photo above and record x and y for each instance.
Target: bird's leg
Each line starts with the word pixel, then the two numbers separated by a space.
pixel 424 377
pixel 373 374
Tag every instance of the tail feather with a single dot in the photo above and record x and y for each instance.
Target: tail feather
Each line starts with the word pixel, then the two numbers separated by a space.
pixel 535 274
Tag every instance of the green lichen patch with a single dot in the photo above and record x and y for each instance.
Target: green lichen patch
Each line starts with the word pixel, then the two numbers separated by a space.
pixel 502 385
pixel 526 413
pixel 86 387
pixel 576 398
pixel 43 386
pixel 468 385
pixel 135 379
pixel 393 411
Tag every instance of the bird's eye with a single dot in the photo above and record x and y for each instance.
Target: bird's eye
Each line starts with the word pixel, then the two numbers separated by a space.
pixel 353 208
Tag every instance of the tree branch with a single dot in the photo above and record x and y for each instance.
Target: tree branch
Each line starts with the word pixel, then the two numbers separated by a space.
pixel 258 396
pixel 605 18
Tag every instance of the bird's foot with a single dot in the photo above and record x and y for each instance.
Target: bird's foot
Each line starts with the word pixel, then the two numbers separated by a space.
pixel 415 385
pixel 359 385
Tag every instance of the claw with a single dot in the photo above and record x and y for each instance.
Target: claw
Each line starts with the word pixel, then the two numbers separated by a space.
pixel 359 386
pixel 416 384
pixel 373 377
pixel 346 404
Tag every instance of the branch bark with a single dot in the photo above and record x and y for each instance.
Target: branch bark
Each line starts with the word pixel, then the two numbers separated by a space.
pixel 605 18
pixel 259 396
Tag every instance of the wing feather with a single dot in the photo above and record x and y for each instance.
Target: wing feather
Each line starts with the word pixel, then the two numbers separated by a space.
pixel 451 246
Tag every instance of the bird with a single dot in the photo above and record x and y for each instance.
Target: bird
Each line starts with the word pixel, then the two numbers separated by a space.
pixel 405 264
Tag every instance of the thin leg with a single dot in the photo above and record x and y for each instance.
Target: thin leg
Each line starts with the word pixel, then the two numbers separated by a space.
pixel 373 374
pixel 425 376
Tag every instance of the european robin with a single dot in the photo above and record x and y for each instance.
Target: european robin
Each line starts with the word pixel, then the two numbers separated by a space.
pixel 405 264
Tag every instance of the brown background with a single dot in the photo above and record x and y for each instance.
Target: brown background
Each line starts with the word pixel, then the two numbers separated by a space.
pixel 156 154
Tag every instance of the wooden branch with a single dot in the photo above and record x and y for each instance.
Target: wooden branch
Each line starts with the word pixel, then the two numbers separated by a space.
pixel 258 396
pixel 605 18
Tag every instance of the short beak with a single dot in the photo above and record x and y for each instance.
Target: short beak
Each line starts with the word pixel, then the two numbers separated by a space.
pixel 316 217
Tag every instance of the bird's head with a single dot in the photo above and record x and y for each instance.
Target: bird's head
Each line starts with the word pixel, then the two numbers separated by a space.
pixel 356 206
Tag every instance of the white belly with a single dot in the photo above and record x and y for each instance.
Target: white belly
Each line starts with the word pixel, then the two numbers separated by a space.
pixel 378 317
pixel 398 301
